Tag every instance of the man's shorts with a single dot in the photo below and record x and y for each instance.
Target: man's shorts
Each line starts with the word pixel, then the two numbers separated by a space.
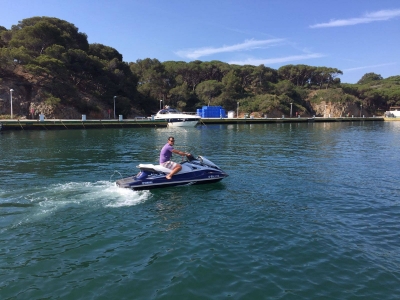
pixel 170 164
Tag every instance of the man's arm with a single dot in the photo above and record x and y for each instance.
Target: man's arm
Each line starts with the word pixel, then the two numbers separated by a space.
pixel 180 152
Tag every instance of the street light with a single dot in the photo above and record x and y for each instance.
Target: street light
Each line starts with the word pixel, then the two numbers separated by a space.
pixel 114 105
pixel 361 111
pixel 291 109
pixel 237 114
pixel 11 90
pixel 160 104
pixel 325 111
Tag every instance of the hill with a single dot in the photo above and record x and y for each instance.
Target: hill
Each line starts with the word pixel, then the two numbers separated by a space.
pixel 52 69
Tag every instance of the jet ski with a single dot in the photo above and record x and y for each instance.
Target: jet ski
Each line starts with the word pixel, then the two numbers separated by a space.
pixel 194 171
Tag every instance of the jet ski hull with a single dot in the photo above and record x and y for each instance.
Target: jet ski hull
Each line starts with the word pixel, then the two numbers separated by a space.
pixel 138 185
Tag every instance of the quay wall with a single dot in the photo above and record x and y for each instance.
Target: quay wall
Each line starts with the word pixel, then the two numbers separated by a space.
pixel 76 124
pixel 6 125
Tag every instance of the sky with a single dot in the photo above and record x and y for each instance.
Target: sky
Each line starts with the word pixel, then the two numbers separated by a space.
pixel 354 36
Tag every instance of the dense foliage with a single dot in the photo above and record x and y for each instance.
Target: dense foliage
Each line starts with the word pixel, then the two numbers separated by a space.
pixel 64 66
pixel 68 70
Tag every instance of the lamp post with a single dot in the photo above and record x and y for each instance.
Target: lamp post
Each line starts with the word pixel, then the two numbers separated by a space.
pixel 237 113
pixel 361 111
pixel 160 104
pixel 11 90
pixel 291 105
pixel 114 105
pixel 325 111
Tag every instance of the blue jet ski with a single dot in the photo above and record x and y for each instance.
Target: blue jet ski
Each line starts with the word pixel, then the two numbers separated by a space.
pixel 194 171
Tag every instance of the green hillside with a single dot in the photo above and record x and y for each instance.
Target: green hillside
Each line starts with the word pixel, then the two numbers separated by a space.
pixel 54 70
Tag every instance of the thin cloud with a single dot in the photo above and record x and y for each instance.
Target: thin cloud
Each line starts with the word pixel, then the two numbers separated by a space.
pixel 247 45
pixel 369 67
pixel 381 15
pixel 270 61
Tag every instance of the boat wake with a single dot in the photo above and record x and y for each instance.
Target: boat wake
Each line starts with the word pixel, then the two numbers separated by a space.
pixel 100 193
pixel 33 204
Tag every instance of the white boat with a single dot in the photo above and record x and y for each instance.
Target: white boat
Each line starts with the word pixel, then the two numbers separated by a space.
pixel 393 112
pixel 176 118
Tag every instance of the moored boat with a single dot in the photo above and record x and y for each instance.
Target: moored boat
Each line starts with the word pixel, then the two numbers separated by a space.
pixel 393 112
pixel 176 118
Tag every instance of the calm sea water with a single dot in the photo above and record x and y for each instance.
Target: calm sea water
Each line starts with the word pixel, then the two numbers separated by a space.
pixel 309 211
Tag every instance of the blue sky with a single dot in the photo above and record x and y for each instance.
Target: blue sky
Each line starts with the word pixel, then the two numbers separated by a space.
pixel 354 36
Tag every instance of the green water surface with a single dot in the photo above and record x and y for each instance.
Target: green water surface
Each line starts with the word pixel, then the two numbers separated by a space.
pixel 309 211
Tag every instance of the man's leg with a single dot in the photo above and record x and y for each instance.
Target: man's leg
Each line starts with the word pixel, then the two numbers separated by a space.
pixel 174 171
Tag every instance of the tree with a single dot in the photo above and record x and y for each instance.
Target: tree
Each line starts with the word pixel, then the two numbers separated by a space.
pixel 209 89
pixel 246 75
pixel 264 104
pixel 179 93
pixel 231 90
pixel 262 77
pixel 104 52
pixel 369 77
pixel 37 38
pixel 48 66
pixel 2 41
pixel 10 58
pixel 191 74
pixel 70 37
pixel 152 79
pixel 284 87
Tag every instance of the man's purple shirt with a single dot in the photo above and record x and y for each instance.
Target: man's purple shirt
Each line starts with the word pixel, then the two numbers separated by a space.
pixel 166 152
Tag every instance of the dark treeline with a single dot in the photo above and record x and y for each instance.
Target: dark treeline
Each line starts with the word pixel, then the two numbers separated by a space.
pixel 57 61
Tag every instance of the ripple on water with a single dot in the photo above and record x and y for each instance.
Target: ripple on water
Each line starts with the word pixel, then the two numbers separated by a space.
pixel 303 215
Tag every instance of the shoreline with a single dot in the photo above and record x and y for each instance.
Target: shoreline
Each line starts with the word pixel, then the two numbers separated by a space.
pixel 64 124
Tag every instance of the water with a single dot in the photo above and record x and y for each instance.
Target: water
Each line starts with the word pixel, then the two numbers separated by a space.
pixel 309 211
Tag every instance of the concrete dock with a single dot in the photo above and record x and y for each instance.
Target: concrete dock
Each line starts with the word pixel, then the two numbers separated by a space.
pixel 58 124
pixel 285 120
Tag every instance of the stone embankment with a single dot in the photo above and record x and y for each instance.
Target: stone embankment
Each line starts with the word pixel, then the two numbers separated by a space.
pixel 7 125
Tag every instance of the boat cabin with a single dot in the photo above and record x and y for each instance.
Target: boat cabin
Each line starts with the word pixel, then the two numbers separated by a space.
pixel 169 111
